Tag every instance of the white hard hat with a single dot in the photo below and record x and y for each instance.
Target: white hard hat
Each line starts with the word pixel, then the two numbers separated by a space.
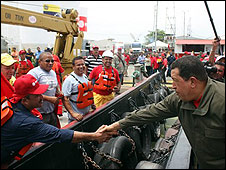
pixel 108 53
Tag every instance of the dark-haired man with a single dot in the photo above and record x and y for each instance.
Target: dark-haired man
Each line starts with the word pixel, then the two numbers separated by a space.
pixel 45 75
pixel 75 100
pixel 93 60
pixel 199 103
pixel 25 125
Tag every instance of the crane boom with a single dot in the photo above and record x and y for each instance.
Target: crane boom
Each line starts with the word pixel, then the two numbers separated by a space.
pixel 66 29
pixel 17 16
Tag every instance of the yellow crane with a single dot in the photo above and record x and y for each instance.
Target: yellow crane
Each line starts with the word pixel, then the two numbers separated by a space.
pixel 65 27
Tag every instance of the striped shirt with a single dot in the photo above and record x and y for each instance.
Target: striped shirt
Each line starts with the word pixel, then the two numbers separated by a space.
pixel 91 62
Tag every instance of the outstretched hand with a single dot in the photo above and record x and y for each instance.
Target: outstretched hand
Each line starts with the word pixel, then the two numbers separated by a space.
pixel 103 135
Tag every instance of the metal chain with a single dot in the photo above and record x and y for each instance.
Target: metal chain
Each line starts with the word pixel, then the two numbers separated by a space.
pixel 131 141
pixel 96 150
pixel 88 159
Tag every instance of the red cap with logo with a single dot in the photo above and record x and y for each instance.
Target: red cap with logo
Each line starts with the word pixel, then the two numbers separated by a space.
pixel 28 84
pixel 22 52
pixel 119 48
pixel 95 47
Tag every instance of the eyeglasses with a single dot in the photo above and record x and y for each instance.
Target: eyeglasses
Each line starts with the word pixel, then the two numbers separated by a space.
pixel 49 61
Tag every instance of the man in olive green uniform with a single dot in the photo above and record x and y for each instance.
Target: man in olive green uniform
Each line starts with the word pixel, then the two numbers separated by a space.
pixel 199 103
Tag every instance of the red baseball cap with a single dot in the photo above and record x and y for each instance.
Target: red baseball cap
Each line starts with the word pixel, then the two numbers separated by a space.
pixel 95 47
pixel 22 52
pixel 28 84
pixel 119 48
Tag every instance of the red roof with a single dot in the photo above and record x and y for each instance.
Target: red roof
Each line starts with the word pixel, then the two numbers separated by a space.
pixel 178 42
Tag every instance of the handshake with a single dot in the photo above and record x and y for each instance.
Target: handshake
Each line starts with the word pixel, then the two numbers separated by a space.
pixel 105 133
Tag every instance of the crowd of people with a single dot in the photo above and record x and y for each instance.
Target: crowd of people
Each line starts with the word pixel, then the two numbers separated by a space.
pixel 40 92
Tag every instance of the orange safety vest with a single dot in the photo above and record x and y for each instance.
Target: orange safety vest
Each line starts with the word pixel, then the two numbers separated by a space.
pixel 85 94
pixel 106 81
pixel 22 69
pixel 6 114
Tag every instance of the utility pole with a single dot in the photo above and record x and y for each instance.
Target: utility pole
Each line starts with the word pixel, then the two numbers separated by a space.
pixel 156 24
pixel 189 27
pixel 184 24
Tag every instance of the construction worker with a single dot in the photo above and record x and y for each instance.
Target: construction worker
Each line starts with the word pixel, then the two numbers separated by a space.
pixel 106 80
pixel 24 65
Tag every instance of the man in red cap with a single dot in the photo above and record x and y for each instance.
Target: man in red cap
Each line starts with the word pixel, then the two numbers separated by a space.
pixel 26 126
pixel 24 64
pixel 93 60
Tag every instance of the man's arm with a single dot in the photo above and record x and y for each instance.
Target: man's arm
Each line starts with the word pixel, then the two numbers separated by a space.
pixel 117 88
pixel 212 53
pixel 100 135
pixel 68 107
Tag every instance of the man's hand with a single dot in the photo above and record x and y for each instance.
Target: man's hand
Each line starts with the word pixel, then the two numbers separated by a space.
pixel 51 99
pixel 93 106
pixel 111 128
pixel 215 43
pixel 77 116
pixel 116 89
pixel 103 136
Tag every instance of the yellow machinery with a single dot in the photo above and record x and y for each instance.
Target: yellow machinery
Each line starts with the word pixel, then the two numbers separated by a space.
pixel 66 29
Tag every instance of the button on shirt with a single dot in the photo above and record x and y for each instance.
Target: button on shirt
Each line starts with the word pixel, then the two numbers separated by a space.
pixel 24 128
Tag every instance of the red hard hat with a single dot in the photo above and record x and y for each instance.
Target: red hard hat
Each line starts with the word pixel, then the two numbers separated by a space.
pixel 22 52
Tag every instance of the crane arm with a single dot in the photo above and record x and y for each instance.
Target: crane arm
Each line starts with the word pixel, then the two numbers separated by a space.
pixel 17 16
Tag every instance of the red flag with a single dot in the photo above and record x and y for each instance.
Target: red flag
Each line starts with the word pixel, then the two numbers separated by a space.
pixel 6 88
pixel 82 23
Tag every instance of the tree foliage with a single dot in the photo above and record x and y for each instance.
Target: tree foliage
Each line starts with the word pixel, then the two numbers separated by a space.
pixel 150 37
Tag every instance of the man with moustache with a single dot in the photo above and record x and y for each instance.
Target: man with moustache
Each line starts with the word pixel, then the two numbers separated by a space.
pixel 106 80
pixel 25 126
pixel 8 67
pixel 199 103
pixel 75 101
pixel 45 75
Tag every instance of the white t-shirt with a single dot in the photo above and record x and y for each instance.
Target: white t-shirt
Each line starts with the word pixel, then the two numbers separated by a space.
pixel 49 78
pixel 70 85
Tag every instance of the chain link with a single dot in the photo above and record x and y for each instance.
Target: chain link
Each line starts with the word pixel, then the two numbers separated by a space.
pixel 88 159
pixel 131 141
pixel 96 150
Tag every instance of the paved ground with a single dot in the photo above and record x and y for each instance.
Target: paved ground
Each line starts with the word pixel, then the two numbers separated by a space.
pixel 128 82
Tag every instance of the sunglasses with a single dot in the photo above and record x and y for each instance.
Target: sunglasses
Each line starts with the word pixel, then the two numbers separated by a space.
pixel 49 61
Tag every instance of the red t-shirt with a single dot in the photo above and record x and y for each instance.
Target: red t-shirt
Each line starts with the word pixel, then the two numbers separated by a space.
pixel 95 75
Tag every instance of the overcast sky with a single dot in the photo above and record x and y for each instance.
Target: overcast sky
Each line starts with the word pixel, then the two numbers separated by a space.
pixel 117 19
